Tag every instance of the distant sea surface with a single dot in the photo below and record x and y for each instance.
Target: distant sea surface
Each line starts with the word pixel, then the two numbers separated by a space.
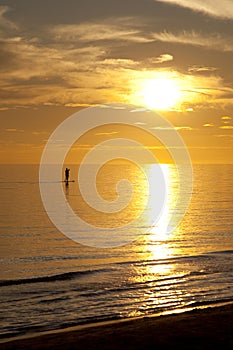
pixel 48 281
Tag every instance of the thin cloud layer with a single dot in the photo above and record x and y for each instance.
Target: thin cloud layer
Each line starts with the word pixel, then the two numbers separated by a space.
pixel 55 58
pixel 94 61
pixel 4 22
pixel 213 41
pixel 213 8
pixel 112 29
pixel 75 65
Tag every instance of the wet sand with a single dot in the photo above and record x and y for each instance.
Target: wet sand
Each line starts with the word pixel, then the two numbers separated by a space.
pixel 207 328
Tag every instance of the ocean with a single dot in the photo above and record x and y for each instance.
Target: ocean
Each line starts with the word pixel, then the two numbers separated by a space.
pixel 48 281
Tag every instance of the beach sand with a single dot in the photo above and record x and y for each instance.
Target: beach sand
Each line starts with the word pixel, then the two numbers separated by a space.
pixel 207 328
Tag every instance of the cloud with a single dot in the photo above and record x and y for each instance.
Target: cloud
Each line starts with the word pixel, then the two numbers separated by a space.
pixel 162 58
pixel 74 105
pixel 226 127
pixel 36 61
pixel 4 108
pixel 74 67
pixel 39 133
pixel 222 9
pixel 208 124
pixel 212 41
pixel 113 29
pixel 197 91
pixel 4 22
pixel 75 76
pixel 120 62
pixel 46 74
pixel 14 130
pixel 141 109
pixel 162 128
pixel 11 130
pixel 187 128
pixel 226 117
pixel 201 69
pixel 107 133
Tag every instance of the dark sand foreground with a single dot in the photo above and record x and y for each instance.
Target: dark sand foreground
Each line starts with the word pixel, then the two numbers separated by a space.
pixel 210 328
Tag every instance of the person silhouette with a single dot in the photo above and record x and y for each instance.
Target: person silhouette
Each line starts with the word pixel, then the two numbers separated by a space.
pixel 67 174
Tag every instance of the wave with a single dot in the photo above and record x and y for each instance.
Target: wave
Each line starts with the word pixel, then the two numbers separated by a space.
pixel 229 251
pixel 52 278
pixel 111 266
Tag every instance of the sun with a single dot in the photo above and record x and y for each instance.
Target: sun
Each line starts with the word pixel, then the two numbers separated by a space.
pixel 160 93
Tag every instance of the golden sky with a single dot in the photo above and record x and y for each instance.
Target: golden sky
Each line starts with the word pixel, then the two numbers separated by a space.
pixel 58 57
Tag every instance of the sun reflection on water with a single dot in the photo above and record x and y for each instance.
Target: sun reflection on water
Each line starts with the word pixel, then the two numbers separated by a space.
pixel 158 245
pixel 157 270
pixel 158 233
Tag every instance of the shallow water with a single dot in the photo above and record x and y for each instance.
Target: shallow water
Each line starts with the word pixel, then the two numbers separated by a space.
pixel 48 281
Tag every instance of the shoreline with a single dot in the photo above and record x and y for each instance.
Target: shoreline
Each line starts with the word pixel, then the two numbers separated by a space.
pixel 198 328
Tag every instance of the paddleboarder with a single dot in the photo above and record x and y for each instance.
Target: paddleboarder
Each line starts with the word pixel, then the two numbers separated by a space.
pixel 67 174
